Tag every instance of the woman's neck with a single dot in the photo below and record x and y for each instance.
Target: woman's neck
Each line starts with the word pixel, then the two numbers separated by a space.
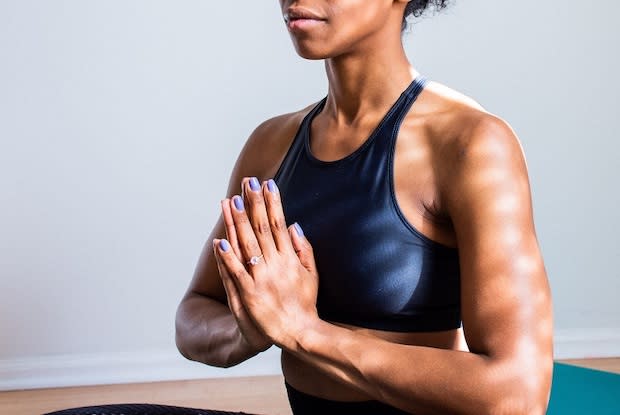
pixel 364 83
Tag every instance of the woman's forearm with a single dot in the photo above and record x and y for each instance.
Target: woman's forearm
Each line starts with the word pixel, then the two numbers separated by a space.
pixel 422 380
pixel 207 332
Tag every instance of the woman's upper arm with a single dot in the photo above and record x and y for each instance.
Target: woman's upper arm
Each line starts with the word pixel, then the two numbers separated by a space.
pixel 505 297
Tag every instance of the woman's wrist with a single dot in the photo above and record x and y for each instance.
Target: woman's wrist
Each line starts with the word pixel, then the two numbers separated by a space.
pixel 307 335
pixel 245 349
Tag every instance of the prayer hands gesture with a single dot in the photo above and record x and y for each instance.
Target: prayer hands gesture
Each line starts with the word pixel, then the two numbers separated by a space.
pixel 267 269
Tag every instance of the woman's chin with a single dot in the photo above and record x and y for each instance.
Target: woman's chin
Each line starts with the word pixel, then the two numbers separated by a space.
pixel 312 57
pixel 309 52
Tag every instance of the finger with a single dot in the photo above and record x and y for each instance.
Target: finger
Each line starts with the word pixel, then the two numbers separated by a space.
pixel 232 293
pixel 257 213
pixel 231 231
pixel 275 214
pixel 237 272
pixel 302 247
pixel 247 242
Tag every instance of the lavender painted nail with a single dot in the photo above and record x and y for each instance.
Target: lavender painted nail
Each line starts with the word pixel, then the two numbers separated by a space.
pixel 238 203
pixel 254 184
pixel 298 229
pixel 271 185
pixel 224 245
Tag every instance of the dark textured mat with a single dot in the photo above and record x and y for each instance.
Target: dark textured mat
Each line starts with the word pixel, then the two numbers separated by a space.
pixel 140 409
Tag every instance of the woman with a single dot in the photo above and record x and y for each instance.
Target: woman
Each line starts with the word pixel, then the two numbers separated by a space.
pixel 416 284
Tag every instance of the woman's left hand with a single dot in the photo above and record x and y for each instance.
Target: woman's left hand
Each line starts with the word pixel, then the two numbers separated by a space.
pixel 275 273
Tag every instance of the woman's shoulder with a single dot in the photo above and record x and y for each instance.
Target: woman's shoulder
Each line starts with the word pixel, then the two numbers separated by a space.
pixel 278 130
pixel 469 143
pixel 458 124
pixel 267 145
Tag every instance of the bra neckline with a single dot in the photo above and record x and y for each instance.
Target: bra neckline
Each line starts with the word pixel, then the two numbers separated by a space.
pixel 369 140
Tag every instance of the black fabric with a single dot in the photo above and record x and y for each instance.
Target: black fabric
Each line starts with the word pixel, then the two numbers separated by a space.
pixel 140 409
pixel 304 404
pixel 375 269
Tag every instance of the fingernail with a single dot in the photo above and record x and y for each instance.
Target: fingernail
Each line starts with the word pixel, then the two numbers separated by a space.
pixel 254 184
pixel 238 203
pixel 271 185
pixel 298 229
pixel 224 245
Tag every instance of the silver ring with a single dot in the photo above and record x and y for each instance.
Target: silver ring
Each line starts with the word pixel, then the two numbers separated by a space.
pixel 255 259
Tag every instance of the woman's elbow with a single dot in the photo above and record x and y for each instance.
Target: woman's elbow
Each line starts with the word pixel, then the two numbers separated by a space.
pixel 181 340
pixel 183 335
pixel 182 344
pixel 526 393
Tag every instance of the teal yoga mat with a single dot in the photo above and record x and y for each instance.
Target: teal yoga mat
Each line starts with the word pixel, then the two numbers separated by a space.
pixel 577 390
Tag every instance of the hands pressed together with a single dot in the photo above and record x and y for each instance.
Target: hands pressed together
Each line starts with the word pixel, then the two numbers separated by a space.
pixel 267 269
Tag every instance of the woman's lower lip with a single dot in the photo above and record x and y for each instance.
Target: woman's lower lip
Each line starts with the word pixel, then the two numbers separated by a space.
pixel 302 24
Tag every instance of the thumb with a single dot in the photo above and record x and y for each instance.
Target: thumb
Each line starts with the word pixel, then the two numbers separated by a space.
pixel 302 247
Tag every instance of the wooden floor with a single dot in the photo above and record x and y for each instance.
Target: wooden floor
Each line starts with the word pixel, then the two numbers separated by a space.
pixel 608 365
pixel 260 395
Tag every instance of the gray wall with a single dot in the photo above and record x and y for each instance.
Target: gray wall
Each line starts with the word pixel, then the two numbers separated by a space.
pixel 120 122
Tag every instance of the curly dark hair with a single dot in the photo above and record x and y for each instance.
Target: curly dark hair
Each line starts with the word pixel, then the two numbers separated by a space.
pixel 416 8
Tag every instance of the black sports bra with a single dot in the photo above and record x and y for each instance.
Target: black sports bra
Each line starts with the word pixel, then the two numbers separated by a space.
pixel 375 269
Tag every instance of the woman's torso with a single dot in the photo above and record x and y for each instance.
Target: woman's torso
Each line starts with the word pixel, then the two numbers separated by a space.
pixel 426 129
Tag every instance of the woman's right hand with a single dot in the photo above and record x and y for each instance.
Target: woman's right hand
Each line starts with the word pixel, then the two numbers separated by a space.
pixel 253 338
